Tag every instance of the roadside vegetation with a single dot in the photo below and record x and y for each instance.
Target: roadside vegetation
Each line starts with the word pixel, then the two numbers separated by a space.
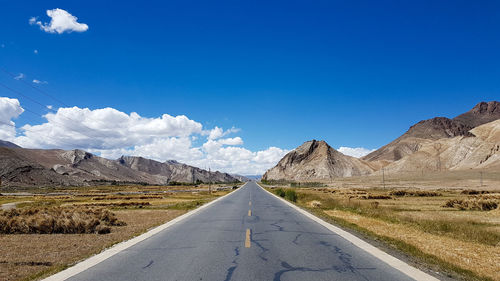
pixel 50 229
pixel 288 194
pixel 68 220
pixel 458 231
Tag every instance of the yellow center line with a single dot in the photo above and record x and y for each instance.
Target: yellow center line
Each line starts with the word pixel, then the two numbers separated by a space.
pixel 250 203
pixel 247 239
pixel 249 213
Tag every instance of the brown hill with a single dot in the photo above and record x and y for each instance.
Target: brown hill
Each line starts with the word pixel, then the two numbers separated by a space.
pixel 482 150
pixel 174 171
pixel 482 113
pixel 8 144
pixel 436 128
pixel 54 167
pixel 316 161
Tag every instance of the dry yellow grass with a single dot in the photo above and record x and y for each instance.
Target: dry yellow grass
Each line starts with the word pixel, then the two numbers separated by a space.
pixel 476 257
pixel 464 241
pixel 23 255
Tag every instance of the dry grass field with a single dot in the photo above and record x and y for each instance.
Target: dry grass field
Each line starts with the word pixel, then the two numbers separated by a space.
pixel 448 224
pixel 52 229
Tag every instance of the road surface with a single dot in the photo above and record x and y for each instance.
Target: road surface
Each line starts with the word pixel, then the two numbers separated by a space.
pixel 248 235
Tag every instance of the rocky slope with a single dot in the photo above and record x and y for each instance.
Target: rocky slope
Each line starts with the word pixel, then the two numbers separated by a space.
pixel 436 128
pixel 482 150
pixel 27 167
pixel 482 113
pixel 316 161
pixel 173 171
pixel 8 144
pixel 468 141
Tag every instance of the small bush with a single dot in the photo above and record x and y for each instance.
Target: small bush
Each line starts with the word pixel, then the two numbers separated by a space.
pixel 472 204
pixel 291 195
pixel 376 197
pixel 57 220
pixel 416 193
pixel 280 192
pixel 474 192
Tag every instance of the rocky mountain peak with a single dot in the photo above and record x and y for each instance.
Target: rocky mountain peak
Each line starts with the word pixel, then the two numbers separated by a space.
pixel 482 113
pixel 316 160
pixel 438 127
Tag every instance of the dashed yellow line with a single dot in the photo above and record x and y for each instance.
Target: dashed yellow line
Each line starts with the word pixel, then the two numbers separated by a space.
pixel 247 239
pixel 249 213
pixel 250 203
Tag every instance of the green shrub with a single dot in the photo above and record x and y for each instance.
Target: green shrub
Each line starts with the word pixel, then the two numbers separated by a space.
pixel 291 195
pixel 280 192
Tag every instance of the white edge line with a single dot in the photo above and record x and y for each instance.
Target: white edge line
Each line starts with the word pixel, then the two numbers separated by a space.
pixel 90 262
pixel 376 252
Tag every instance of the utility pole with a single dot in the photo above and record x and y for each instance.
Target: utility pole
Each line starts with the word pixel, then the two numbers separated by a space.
pixel 209 181
pixel 437 147
pixel 383 176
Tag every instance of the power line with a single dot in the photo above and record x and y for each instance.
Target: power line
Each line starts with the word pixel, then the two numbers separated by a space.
pixel 36 88
pixel 38 115
pixel 53 110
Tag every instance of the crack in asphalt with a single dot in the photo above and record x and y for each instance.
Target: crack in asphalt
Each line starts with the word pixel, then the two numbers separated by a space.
pixel 230 270
pixel 149 264
pixel 296 239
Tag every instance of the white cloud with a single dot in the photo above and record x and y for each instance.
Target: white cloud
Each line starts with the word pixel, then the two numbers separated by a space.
pixel 231 141
pixel 61 21
pixel 355 151
pixel 35 51
pixel 20 76
pixel 217 132
pixel 104 129
pixel 36 81
pixel 112 133
pixel 49 107
pixel 9 109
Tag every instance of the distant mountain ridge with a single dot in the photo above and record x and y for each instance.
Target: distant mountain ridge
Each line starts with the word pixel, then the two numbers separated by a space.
pixel 28 167
pixel 8 144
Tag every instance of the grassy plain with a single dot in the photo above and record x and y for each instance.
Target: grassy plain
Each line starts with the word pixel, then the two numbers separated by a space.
pixel 451 224
pixel 133 210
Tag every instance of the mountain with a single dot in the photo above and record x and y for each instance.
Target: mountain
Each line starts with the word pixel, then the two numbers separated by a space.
pixel 482 150
pixel 173 171
pixel 21 171
pixel 482 113
pixel 468 141
pixel 8 144
pixel 316 161
pixel 27 167
pixel 254 177
pixel 241 178
pixel 433 129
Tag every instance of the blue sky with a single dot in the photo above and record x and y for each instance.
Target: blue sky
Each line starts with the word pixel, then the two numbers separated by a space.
pixel 354 73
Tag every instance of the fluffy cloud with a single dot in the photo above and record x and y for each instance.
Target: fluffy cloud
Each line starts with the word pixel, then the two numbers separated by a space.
pixel 61 21
pixel 112 133
pixel 217 132
pixel 355 151
pixel 105 128
pixel 9 109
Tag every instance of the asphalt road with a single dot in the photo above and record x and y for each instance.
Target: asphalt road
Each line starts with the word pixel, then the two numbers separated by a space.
pixel 248 235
